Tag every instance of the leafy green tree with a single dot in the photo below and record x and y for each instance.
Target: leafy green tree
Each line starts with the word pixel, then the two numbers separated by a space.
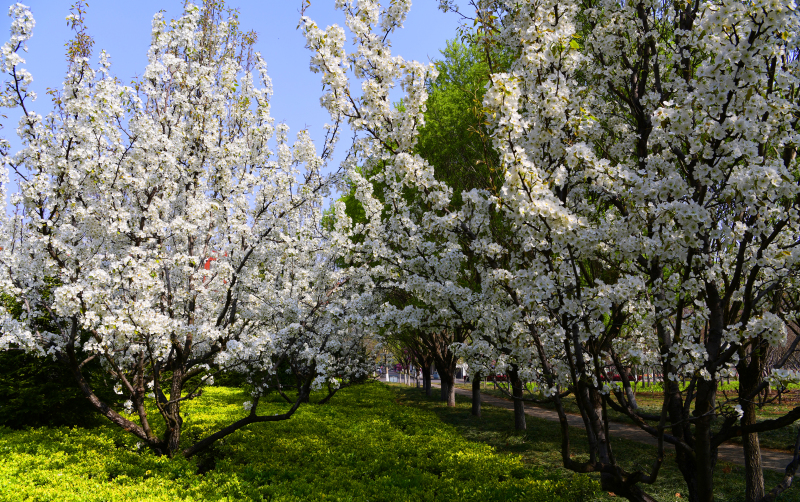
pixel 454 139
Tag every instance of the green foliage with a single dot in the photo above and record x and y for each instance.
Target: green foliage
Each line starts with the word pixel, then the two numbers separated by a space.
pixel 454 139
pixel 364 445
pixel 37 391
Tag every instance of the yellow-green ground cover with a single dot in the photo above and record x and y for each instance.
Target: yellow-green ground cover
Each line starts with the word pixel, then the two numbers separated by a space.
pixel 370 443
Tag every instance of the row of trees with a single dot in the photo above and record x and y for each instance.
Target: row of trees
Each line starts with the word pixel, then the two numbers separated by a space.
pixel 639 206
pixel 587 186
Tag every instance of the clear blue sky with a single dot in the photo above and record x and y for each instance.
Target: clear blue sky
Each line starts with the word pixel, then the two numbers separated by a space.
pixel 123 30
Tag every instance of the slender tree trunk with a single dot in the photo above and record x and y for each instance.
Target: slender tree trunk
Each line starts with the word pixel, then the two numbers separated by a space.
pixel 704 453
pixel 519 406
pixel 749 378
pixel 754 474
pixel 476 395
pixel 681 429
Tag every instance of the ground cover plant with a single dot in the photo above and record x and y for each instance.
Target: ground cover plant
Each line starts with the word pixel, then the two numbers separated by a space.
pixel 369 444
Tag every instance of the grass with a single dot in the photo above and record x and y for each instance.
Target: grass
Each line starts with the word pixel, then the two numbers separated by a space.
pixel 650 400
pixel 367 444
pixel 539 447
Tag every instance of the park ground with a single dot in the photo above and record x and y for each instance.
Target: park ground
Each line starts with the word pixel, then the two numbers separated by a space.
pixel 373 442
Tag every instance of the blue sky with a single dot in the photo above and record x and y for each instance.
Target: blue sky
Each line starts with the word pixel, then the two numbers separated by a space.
pixel 123 30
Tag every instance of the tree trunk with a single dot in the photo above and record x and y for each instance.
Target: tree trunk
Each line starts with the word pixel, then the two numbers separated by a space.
pixel 426 380
pixel 680 429
pixel 754 474
pixel 704 453
pixel 631 395
pixel 519 406
pixel 446 362
pixel 749 378
pixel 448 388
pixel 173 414
pixel 476 395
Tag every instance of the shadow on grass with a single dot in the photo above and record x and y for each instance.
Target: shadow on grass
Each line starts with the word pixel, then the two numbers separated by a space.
pixel 540 446
pixel 780 439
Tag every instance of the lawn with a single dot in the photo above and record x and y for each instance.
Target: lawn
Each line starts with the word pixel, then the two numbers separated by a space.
pixel 539 447
pixel 369 443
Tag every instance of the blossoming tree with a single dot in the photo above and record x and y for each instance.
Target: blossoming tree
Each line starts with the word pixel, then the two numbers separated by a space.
pixel 171 230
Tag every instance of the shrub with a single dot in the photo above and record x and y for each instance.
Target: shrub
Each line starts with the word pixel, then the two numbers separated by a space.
pixel 36 391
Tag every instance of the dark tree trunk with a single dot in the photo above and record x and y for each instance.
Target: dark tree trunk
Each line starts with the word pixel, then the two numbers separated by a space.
pixel 173 413
pixel 749 378
pixel 519 405
pixel 629 392
pixel 705 453
pixel 706 399
pixel 476 395
pixel 426 380
pixel 754 474
pixel 681 429
pixel 445 362
pixel 448 389
pixel 680 426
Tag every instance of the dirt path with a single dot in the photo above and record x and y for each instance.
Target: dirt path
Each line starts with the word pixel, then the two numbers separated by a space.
pixel 729 452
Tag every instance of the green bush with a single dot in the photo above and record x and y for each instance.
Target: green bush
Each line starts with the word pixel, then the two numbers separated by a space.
pixel 37 391
pixel 362 446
